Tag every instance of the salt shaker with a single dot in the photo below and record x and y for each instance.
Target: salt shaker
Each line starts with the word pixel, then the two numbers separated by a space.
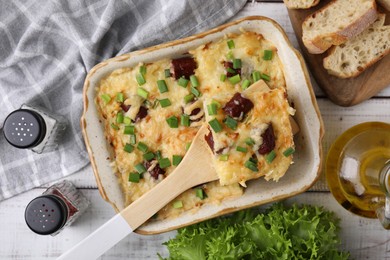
pixel 34 128
pixel 59 206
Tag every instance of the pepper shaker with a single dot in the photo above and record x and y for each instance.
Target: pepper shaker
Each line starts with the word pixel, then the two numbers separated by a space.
pixel 33 128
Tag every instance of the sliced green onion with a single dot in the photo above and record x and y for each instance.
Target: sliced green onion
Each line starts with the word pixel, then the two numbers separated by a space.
pixel 188 145
pixel 188 98
pixel 182 82
pixel 241 149
pixel 222 77
pixel 119 117
pixel 195 91
pixel 237 64
pixel 251 166
pixel 265 77
pixel 134 177
pixel 249 141
pixel 231 123
pixel 245 84
pixel 270 157
pixel 119 97
pixel 132 139
pixel 148 156
pixel 200 193
pixel 267 55
pixel 142 93
pixel 142 69
pixel 127 120
pixel 232 71
pixel 106 98
pixel 289 151
pixel 164 163
pixel 140 79
pixel 185 120
pixel 162 86
pixel 165 102
pixel 167 73
pixel 229 55
pixel 114 126
pixel 230 44
pixel 224 157
pixel 177 204
pixel 128 148
pixel 176 159
pixel 255 76
pixel 173 122
pixel 140 168
pixel 235 79
pixel 254 159
pixel 215 125
pixel 212 109
pixel 194 81
pixel 142 147
pixel 158 155
pixel 129 130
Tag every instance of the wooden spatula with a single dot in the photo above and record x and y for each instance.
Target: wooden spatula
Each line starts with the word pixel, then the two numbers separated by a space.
pixel 195 168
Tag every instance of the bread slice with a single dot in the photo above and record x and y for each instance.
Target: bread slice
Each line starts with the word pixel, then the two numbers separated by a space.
pixel 385 4
pixel 353 57
pixel 337 22
pixel 300 4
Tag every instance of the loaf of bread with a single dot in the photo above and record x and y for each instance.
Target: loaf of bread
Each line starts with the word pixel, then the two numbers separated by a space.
pixel 300 4
pixel 353 57
pixel 337 22
pixel 385 4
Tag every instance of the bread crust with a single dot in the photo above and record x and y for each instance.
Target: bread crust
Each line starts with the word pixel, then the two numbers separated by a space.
pixel 290 5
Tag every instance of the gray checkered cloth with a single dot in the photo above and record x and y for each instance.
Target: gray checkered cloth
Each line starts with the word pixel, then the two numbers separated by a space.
pixel 46 50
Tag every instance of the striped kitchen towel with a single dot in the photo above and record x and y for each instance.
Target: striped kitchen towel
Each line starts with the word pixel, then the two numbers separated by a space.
pixel 46 50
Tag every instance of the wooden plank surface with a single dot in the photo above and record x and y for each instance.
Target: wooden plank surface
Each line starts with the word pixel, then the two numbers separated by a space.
pixel 365 238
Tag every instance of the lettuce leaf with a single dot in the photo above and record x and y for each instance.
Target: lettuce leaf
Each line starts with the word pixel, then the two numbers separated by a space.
pixel 297 232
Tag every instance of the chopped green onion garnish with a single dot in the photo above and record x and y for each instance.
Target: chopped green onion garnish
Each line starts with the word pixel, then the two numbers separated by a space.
pixel 195 91
pixel 200 193
pixel 241 149
pixel 231 123
pixel 255 76
pixel 230 70
pixel 267 55
pixel 254 159
pixel 140 79
pixel 188 145
pixel 270 157
pixel 142 147
pixel 235 79
pixel 165 102
pixel 212 109
pixel 128 148
pixel 162 86
pixel 245 84
pixel 127 120
pixel 132 139
pixel 251 166
pixel 224 157
pixel 188 98
pixel 237 64
pixel 119 117
pixel 176 159
pixel 230 44
pixel 158 155
pixel 142 69
pixel 134 177
pixel 164 163
pixel 178 204
pixel 194 81
pixel 222 77
pixel 142 93
pixel 129 130
pixel 185 120
pixel 289 151
pixel 173 122
pixel 148 156
pixel 249 141
pixel 167 73
pixel 140 168
pixel 215 125
pixel 106 98
pixel 114 126
pixel 265 77
pixel 182 82
pixel 229 55
pixel 119 97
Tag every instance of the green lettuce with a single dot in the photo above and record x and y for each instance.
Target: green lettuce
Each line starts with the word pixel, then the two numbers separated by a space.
pixel 296 232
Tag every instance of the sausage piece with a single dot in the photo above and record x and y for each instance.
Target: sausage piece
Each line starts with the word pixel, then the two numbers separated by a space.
pixel 183 67
pixel 210 141
pixel 238 106
pixel 268 141
pixel 156 169
pixel 229 64
pixel 142 113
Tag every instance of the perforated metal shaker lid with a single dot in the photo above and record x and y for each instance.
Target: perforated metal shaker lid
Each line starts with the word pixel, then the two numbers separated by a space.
pixel 24 128
pixel 46 214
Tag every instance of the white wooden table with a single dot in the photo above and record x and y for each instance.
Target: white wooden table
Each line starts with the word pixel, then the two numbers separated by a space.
pixel 364 238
